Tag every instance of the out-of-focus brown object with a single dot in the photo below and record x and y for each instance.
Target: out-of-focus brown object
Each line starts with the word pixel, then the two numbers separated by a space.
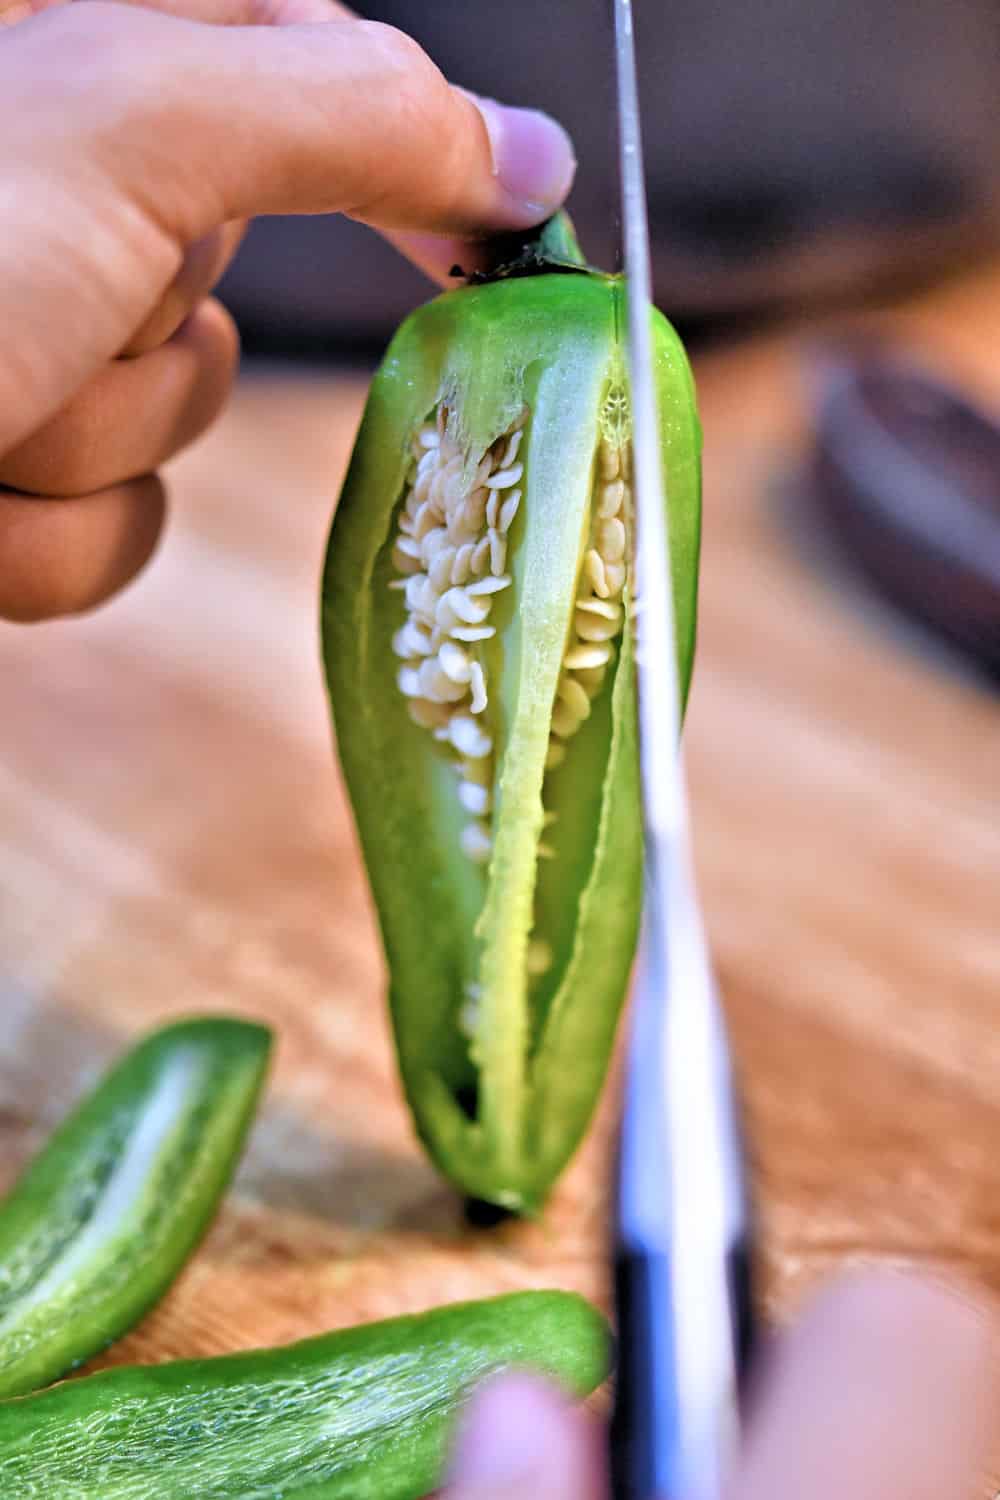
pixel 906 471
pixel 175 838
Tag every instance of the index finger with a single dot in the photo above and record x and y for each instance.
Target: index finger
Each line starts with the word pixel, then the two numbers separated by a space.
pixel 343 117
pixel 213 12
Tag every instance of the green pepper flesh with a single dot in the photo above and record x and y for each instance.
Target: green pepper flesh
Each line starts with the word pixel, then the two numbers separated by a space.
pixel 363 1414
pixel 502 1112
pixel 104 1218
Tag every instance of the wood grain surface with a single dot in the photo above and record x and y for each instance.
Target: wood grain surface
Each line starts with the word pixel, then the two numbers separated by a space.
pixel 175 838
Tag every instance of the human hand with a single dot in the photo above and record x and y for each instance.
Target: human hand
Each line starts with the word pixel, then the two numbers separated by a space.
pixel 132 145
pixel 881 1392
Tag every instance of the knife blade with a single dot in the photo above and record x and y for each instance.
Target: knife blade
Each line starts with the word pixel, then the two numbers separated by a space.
pixel 683 1234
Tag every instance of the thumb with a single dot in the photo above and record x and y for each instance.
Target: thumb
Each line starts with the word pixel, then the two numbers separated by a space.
pixel 522 1440
pixel 345 116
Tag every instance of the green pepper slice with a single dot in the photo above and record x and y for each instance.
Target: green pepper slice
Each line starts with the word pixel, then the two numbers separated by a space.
pixel 476 613
pixel 106 1215
pixel 363 1414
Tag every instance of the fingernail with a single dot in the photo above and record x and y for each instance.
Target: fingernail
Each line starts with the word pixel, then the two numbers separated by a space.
pixel 532 155
pixel 506 1435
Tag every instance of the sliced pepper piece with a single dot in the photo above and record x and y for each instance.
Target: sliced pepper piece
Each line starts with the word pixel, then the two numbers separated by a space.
pixel 104 1218
pixel 477 607
pixel 363 1414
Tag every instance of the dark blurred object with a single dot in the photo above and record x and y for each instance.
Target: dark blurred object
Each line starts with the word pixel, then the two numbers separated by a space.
pixel 907 473
pixel 793 151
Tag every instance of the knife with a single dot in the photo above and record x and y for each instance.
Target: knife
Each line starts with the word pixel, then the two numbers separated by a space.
pixel 682 1253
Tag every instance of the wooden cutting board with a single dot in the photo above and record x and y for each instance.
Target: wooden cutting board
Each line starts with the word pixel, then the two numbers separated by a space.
pixel 175 838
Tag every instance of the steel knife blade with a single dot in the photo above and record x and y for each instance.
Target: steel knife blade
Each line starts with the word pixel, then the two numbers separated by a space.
pixel 682 1231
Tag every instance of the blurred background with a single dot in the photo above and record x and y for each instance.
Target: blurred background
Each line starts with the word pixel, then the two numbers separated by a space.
pixel 794 152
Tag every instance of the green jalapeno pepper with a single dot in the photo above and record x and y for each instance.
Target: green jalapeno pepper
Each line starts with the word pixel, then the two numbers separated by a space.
pixel 363 1414
pixel 477 606
pixel 105 1217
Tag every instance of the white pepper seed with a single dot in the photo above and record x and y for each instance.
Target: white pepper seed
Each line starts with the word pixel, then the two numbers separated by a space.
pixel 612 496
pixel 408 682
pixel 510 452
pixel 427 715
pixel 432 543
pixel 591 654
pixel 475 799
pixel 609 608
pixel 436 685
pixel 457 607
pixel 565 722
pixel 477 682
pixel 419 639
pixel 493 584
pixel 591 678
pixel 574 696
pixel 426 601
pixel 481 556
pixel 611 540
pixel 462 527
pixel 594 567
pixel 476 843
pixel 426 517
pixel 595 627
pixel 453 489
pixel 468 737
pixel 498 551
pixel 610 460
pixel 475 508
pixel 492 513
pixel 439 572
pixel 504 479
pixel 508 510
pixel 413 589
pixel 614 573
pixel 406 555
pixel 454 662
pixel 437 496
pixel 461 568
pixel 473 632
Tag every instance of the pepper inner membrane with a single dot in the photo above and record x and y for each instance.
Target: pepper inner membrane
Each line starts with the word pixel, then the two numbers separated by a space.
pixel 450 561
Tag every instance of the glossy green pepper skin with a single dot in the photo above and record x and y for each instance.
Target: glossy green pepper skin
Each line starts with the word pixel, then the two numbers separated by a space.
pixel 364 1414
pixel 530 910
pixel 106 1215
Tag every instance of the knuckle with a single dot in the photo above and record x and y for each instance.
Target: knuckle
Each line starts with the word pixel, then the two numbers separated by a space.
pixel 395 51
pixel 216 336
pixel 62 557
pixel 60 459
